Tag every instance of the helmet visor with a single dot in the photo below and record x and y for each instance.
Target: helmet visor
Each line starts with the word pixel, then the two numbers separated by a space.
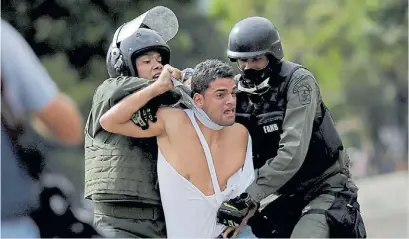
pixel 160 19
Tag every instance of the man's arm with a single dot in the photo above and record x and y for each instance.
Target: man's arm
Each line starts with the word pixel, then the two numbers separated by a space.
pixel 62 118
pixel 118 119
pixel 302 101
pixel 32 91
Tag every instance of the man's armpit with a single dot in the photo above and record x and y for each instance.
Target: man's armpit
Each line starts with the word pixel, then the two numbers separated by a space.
pixel 166 115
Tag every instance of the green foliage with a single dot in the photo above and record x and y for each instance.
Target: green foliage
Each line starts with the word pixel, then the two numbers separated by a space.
pixel 356 49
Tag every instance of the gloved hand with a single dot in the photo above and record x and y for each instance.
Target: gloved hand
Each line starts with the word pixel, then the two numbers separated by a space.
pixel 232 212
pixel 148 112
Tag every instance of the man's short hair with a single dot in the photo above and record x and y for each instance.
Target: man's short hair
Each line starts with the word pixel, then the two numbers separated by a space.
pixel 208 71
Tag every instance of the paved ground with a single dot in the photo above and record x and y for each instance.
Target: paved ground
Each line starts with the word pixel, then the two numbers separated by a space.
pixel 384 205
pixel 388 227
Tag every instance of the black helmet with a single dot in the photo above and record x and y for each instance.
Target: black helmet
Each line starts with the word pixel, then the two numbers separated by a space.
pixel 252 37
pixel 111 60
pixel 121 59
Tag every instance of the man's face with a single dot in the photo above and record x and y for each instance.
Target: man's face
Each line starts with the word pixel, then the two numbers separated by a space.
pixel 219 101
pixel 256 63
pixel 149 65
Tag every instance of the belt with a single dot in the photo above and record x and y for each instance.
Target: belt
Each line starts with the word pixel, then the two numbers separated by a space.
pixel 138 211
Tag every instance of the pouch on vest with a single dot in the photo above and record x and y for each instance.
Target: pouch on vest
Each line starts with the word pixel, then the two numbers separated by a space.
pixel 344 216
pixel 278 219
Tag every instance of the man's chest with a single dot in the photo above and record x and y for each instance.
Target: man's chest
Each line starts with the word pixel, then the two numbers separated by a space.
pixel 196 162
pixel 226 162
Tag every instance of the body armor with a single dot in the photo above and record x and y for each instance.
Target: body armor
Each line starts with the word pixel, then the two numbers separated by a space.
pixel 121 170
pixel 117 164
pixel 263 116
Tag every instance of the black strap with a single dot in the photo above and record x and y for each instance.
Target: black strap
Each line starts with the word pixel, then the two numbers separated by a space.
pixel 318 210
pixel 314 211
pixel 130 210
pixel 287 70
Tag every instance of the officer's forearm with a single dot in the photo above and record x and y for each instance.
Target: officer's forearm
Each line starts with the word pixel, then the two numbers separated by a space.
pixel 294 143
pixel 122 112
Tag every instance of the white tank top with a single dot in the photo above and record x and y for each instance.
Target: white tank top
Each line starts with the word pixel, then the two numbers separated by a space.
pixel 188 212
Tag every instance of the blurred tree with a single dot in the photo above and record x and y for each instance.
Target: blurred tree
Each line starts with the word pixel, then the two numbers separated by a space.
pixel 356 49
pixel 71 38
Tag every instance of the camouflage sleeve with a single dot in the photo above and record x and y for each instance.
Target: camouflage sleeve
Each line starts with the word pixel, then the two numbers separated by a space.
pixel 302 100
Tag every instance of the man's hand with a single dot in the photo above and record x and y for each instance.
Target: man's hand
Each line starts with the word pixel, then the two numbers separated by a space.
pixel 231 232
pixel 164 82
pixel 231 213
pixel 148 112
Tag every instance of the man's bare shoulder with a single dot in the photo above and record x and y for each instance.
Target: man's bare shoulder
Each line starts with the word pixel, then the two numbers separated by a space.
pixel 170 114
pixel 239 132
pixel 174 120
pixel 170 111
pixel 239 128
pixel 239 137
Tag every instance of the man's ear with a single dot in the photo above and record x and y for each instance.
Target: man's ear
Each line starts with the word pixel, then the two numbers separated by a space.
pixel 198 99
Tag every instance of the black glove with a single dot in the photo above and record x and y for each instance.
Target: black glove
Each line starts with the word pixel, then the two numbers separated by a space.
pixel 148 112
pixel 231 213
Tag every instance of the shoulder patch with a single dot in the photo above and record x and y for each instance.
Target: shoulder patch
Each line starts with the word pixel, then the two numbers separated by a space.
pixel 303 90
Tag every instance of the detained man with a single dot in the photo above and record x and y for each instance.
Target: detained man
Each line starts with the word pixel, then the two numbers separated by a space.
pixel 204 157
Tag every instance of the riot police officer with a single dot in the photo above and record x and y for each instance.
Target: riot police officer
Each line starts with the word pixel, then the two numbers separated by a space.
pixel 297 151
pixel 120 171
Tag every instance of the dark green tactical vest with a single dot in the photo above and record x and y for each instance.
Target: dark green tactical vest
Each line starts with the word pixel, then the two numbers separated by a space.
pixel 120 169
pixel 116 164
